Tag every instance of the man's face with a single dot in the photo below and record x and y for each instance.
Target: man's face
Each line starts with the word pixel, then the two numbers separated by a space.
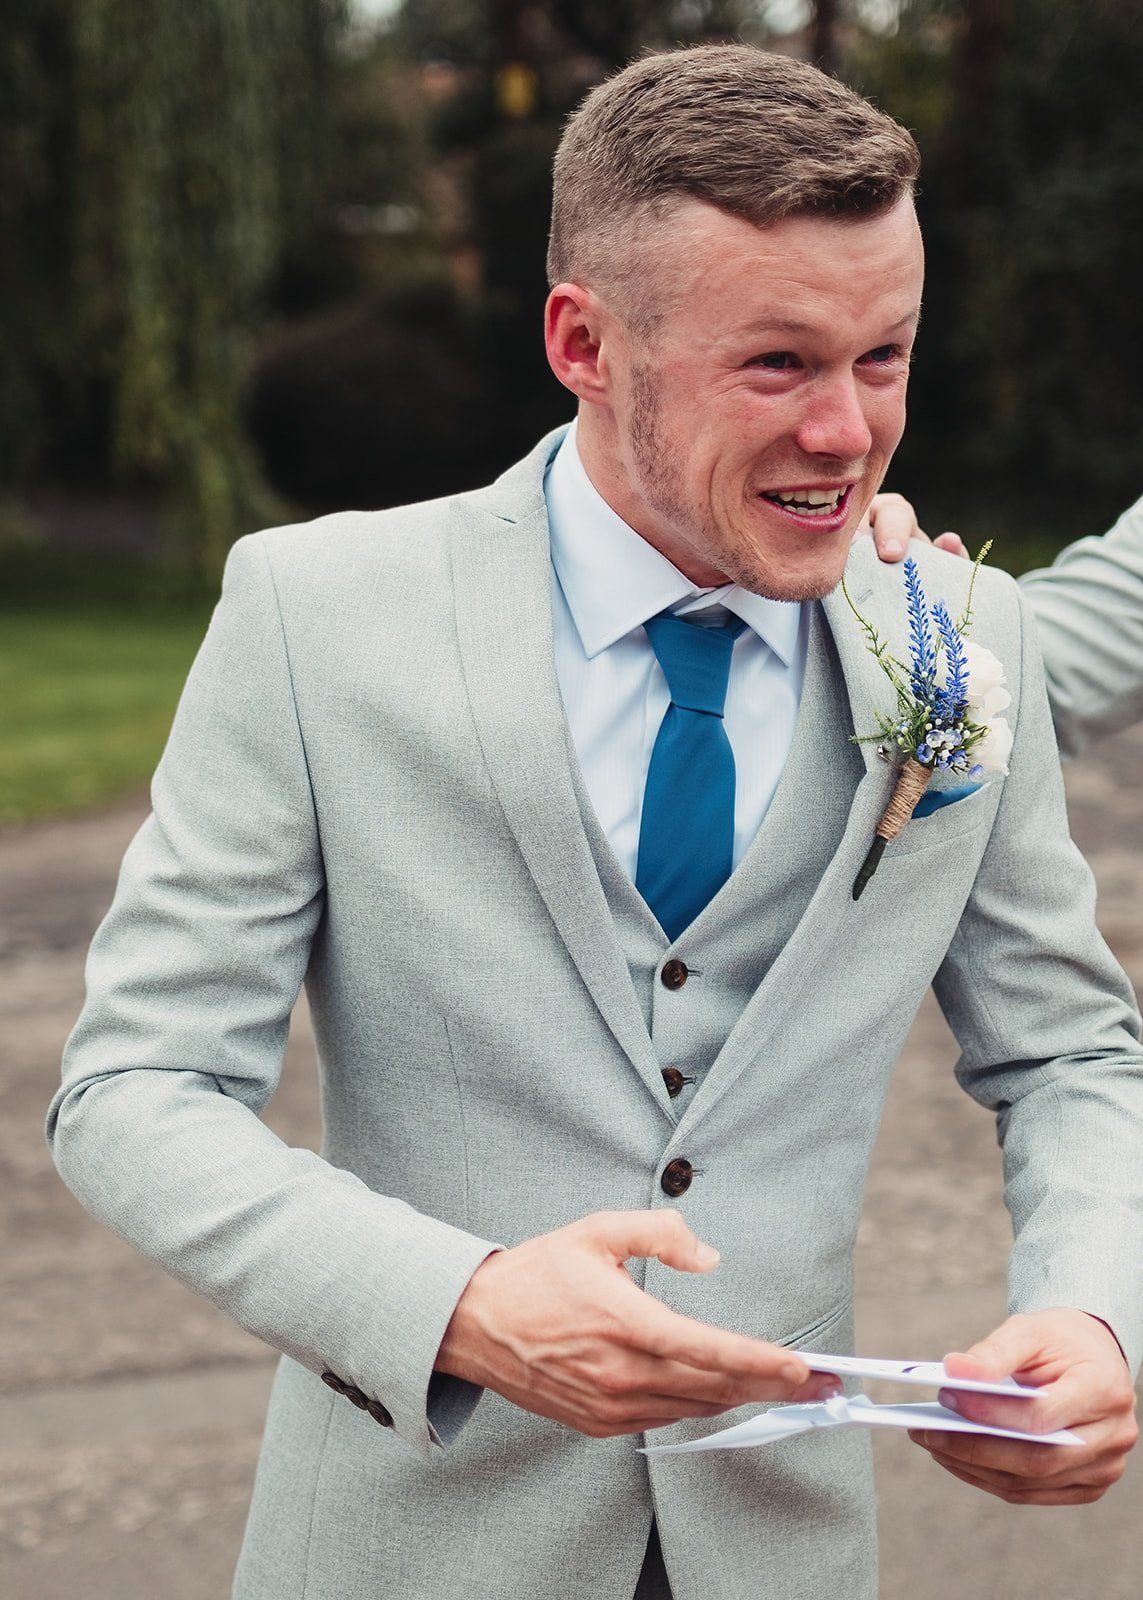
pixel 746 437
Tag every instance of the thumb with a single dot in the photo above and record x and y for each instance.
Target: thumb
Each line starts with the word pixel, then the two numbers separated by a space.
pixel 1015 1344
pixel 662 1234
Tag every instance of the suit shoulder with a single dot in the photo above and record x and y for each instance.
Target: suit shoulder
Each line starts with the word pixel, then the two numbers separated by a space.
pixel 349 533
pixel 345 552
pixel 995 596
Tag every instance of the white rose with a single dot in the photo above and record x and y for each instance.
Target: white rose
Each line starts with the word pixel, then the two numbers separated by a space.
pixel 988 706
pixel 994 749
pixel 985 675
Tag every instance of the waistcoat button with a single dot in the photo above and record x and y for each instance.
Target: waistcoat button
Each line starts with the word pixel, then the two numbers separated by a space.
pixel 674 1080
pixel 677 1175
pixel 674 973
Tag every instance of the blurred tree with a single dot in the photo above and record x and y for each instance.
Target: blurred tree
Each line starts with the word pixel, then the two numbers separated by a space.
pixel 823 37
pixel 175 157
pixel 35 64
pixel 525 65
pixel 1027 403
pixel 201 138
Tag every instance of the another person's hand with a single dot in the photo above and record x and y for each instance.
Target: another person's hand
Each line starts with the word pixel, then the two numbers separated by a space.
pixel 1087 1387
pixel 892 522
pixel 557 1326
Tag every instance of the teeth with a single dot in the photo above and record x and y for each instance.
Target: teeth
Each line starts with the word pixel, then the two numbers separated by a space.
pixel 816 502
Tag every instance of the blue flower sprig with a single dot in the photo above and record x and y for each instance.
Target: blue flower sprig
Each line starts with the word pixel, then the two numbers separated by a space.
pixel 921 648
pixel 931 725
pixel 931 729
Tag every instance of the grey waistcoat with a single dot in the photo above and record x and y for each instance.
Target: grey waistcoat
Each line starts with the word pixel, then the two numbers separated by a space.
pixel 745 926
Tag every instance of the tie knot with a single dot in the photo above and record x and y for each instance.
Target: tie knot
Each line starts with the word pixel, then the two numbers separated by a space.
pixel 695 659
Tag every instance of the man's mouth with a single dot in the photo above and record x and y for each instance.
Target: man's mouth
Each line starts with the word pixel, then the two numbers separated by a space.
pixel 825 505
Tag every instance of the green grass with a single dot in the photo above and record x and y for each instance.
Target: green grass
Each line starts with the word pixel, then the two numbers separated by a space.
pixel 86 701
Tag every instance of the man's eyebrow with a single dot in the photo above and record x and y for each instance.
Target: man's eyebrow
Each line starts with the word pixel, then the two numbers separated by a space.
pixel 791 325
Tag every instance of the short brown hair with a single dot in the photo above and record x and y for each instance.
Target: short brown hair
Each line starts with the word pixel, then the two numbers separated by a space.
pixel 761 136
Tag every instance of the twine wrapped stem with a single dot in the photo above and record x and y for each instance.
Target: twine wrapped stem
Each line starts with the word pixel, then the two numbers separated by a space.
pixel 912 781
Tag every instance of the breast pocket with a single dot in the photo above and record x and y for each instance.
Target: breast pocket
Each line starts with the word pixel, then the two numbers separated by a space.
pixel 948 822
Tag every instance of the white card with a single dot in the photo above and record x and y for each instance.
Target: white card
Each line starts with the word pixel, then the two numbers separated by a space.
pixel 856 1411
pixel 931 1373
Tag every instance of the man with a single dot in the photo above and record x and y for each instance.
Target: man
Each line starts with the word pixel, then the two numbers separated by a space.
pixel 440 762
pixel 1088 607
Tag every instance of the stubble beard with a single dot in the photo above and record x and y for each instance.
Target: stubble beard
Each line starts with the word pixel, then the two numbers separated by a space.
pixel 655 459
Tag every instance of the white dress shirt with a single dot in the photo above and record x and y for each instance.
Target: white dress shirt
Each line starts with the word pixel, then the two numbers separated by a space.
pixel 606 581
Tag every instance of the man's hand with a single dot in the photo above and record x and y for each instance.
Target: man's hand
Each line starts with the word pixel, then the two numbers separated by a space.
pixel 1087 1387
pixel 892 522
pixel 557 1326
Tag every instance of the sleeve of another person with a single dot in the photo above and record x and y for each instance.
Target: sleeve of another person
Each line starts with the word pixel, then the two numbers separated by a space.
pixel 191 979
pixel 1089 615
pixel 1049 1033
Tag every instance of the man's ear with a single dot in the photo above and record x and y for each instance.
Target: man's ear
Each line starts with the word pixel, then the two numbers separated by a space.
pixel 574 338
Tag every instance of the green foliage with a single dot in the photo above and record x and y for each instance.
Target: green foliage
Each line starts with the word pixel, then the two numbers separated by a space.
pixel 1027 396
pixel 178 153
pixel 86 700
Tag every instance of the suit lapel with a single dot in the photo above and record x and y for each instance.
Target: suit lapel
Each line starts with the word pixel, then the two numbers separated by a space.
pixel 784 997
pixel 502 585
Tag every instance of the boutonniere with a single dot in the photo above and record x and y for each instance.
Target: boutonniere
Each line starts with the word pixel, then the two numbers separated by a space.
pixel 949 698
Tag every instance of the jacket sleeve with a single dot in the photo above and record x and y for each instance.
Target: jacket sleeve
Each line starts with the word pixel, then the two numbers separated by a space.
pixel 1089 615
pixel 1049 1032
pixel 191 979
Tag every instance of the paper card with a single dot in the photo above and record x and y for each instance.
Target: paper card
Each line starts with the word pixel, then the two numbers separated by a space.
pixel 785 1422
pixel 931 1373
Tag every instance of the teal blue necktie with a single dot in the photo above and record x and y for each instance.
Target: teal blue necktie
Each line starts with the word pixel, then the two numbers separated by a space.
pixel 686 833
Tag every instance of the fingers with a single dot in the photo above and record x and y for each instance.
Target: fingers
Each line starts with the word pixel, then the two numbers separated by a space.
pixel 1079 1397
pixel 1047 1476
pixel 1019 1492
pixel 666 1378
pixel 772 1372
pixel 662 1234
pixel 893 522
pixel 1084 1386
pixel 765 1371
pixel 952 542
pixel 1016 1345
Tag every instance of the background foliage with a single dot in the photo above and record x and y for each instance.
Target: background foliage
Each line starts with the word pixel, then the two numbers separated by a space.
pixel 263 259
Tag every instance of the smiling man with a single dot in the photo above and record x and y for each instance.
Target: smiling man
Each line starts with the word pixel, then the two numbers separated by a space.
pixel 549 794
pixel 746 420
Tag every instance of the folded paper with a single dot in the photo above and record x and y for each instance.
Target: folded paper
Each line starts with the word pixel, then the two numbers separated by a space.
pixel 931 1373
pixel 856 1411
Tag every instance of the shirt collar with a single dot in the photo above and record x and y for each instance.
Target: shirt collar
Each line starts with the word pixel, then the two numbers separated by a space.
pixel 613 580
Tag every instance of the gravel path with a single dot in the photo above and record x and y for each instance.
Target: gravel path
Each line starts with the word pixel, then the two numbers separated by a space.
pixel 130 1411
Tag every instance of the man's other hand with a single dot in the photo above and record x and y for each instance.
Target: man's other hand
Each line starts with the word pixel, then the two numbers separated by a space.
pixel 557 1326
pixel 1086 1387
pixel 892 522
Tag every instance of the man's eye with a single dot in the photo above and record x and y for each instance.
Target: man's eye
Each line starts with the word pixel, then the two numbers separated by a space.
pixel 776 360
pixel 883 354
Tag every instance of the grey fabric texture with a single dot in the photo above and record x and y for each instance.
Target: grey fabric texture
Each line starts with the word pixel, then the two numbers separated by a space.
pixel 1088 607
pixel 369 787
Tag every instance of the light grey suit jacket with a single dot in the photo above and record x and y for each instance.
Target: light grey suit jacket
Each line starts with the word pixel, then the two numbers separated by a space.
pixel 1088 607
pixel 369 787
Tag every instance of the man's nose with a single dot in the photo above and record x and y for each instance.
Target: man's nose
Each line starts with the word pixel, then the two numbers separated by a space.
pixel 834 423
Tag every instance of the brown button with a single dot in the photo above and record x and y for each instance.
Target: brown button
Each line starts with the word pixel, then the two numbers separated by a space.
pixel 674 974
pixel 674 1080
pixel 677 1175
pixel 360 1400
pixel 334 1382
pixel 379 1414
